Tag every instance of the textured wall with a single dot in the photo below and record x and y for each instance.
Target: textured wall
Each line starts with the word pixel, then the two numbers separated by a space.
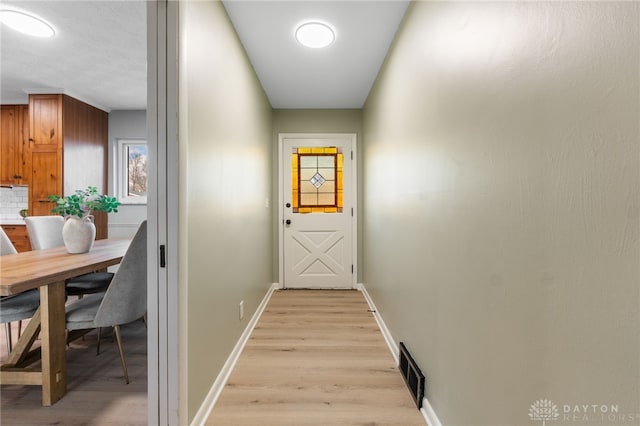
pixel 501 205
pixel 225 223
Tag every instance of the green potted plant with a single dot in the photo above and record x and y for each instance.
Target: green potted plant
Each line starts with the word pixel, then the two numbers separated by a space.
pixel 78 231
pixel 83 202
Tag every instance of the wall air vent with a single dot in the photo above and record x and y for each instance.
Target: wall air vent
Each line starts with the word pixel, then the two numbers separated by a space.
pixel 412 375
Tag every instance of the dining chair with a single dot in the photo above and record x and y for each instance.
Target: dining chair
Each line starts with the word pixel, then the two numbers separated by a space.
pixel 124 301
pixel 46 232
pixel 17 307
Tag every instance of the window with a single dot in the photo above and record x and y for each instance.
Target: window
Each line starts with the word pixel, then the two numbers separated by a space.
pixel 131 171
pixel 316 180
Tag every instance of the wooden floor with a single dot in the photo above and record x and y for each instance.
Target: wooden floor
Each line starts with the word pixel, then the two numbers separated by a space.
pixel 316 358
pixel 97 393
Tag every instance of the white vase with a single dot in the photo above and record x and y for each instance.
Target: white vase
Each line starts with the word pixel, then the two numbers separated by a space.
pixel 78 234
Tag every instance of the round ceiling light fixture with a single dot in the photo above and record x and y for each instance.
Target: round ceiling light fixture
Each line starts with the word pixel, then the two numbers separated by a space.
pixel 315 35
pixel 26 23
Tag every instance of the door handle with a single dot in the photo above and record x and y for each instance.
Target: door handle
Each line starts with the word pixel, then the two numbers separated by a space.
pixel 288 221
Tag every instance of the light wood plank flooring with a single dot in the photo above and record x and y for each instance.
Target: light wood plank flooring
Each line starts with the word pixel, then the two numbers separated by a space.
pixel 96 393
pixel 316 358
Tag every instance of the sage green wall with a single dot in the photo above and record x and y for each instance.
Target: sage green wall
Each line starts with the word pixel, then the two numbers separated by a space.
pixel 501 205
pixel 225 182
pixel 314 121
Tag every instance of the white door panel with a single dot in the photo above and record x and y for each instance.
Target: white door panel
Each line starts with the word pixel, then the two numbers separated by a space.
pixel 317 215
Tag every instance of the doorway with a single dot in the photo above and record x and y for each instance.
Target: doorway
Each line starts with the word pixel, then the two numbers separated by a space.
pixel 317 217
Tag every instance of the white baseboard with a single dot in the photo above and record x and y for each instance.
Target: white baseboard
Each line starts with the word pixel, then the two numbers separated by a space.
pixel 426 410
pixel 393 346
pixel 428 413
pixel 133 225
pixel 122 230
pixel 218 385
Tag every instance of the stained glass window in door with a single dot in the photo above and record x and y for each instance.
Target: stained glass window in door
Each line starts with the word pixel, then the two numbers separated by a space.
pixel 316 180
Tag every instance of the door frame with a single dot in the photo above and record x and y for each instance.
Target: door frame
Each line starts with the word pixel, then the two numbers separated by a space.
pixel 354 201
pixel 163 321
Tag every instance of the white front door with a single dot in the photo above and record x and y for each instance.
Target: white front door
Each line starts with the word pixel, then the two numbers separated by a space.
pixel 318 175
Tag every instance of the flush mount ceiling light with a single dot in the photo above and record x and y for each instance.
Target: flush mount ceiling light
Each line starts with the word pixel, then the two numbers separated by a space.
pixel 26 23
pixel 315 35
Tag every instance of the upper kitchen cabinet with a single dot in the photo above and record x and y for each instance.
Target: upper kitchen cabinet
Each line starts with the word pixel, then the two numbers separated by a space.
pixel 68 149
pixel 14 145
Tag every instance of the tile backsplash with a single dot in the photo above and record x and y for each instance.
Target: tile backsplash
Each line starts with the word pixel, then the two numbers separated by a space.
pixel 12 200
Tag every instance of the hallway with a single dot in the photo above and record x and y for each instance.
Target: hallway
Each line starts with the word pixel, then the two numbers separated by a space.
pixel 497 203
pixel 316 358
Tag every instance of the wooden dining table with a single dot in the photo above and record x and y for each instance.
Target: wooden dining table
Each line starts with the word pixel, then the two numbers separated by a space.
pixel 47 271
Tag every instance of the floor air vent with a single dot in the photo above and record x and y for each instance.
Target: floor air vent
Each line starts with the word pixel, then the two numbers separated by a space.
pixel 412 375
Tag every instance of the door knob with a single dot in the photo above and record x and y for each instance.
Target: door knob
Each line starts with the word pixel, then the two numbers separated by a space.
pixel 288 205
pixel 288 221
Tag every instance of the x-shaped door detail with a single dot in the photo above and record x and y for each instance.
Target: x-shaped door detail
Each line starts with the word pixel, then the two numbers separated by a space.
pixel 319 253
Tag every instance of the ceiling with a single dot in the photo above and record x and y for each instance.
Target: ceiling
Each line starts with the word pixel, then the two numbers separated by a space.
pixel 339 76
pixel 99 52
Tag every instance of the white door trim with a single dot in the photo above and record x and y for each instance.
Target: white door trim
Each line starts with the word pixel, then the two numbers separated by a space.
pixel 154 51
pixel 354 191
pixel 162 214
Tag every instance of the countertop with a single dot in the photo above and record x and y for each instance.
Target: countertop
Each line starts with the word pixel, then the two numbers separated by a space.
pixel 11 220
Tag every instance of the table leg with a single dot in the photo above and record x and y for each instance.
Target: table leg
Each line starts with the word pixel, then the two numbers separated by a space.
pixel 54 351
pixel 23 345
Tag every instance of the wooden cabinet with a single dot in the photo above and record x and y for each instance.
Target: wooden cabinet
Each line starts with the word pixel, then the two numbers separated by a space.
pixel 45 143
pixel 14 145
pixel 18 236
pixel 68 151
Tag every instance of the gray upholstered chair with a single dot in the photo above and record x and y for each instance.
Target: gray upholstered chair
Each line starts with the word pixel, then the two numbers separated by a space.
pixel 46 232
pixel 6 246
pixel 20 306
pixel 124 301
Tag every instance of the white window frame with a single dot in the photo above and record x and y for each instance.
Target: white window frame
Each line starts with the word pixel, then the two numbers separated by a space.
pixel 121 172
